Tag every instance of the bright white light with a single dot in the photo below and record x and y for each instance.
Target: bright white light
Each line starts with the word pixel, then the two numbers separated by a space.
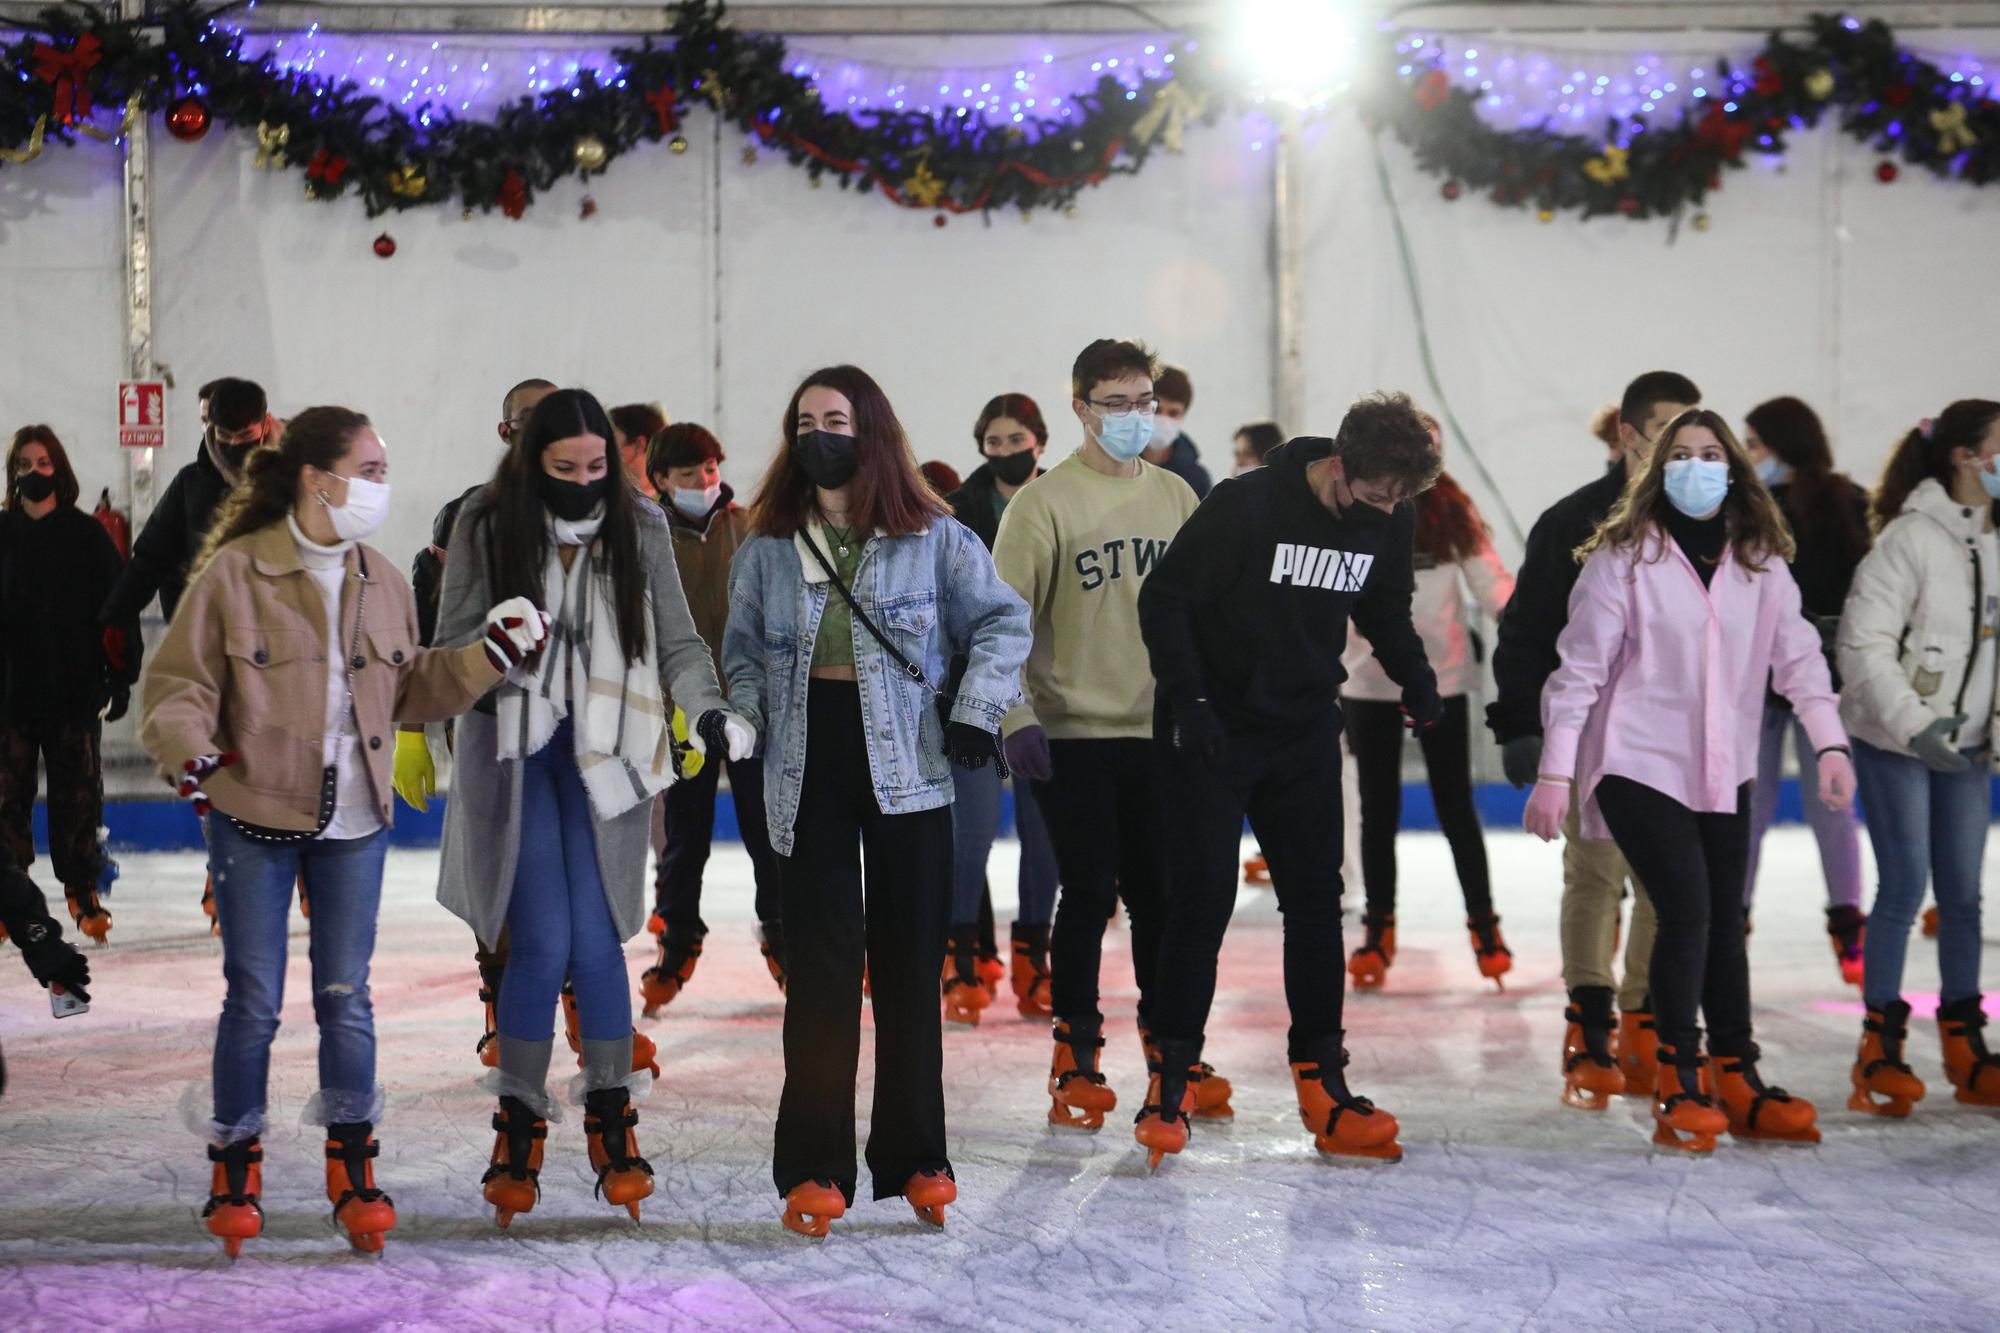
pixel 1300 49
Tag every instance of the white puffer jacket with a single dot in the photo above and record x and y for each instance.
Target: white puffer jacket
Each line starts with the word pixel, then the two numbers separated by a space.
pixel 1438 610
pixel 1910 629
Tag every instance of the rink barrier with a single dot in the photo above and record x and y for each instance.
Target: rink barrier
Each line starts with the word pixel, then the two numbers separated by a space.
pixel 170 826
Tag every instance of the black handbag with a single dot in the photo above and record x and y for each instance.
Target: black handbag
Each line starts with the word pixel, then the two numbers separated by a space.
pixel 943 701
pixel 329 781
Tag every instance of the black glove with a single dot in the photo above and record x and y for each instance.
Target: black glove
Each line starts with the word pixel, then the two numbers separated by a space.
pixel 709 727
pixel 1521 761
pixel 1420 715
pixel 54 960
pixel 121 703
pixel 970 746
pixel 1198 731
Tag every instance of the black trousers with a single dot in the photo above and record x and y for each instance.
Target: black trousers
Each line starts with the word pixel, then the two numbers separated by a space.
pixel 860 887
pixel 1289 786
pixel 1375 732
pixel 69 750
pixel 1692 866
pixel 1104 816
pixel 690 828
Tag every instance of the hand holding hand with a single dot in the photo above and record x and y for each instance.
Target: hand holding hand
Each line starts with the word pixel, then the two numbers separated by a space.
pixel 197 771
pixel 1027 753
pixel 514 629
pixel 721 732
pixel 970 746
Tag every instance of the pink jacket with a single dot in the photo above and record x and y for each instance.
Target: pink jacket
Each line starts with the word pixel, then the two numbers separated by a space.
pixel 1662 680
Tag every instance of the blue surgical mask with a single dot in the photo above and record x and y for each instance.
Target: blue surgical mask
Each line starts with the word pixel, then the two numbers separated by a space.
pixel 1772 471
pixel 1124 435
pixel 1991 481
pixel 1696 486
pixel 696 504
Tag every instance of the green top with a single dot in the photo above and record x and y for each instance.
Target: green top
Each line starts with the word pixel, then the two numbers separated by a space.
pixel 833 646
pixel 999 505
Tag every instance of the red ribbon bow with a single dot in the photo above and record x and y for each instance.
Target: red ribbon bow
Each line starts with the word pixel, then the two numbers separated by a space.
pixel 326 167
pixel 1718 131
pixel 65 69
pixel 662 100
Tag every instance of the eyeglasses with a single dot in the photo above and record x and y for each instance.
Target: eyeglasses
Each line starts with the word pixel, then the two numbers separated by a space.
pixel 1145 407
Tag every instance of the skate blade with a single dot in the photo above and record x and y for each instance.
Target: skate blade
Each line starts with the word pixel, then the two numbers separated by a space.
pixel 1971 1098
pixel 1223 1112
pixel 502 1216
pixel 367 1242
pixel 1692 1143
pixel 1066 1117
pixel 1585 1099
pixel 811 1225
pixel 1381 1152
pixel 1895 1108
pixel 633 1208
pixel 933 1213
pixel 232 1246
pixel 1810 1134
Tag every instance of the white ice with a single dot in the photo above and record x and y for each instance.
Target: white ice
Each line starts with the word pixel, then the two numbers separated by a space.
pixel 1509 1210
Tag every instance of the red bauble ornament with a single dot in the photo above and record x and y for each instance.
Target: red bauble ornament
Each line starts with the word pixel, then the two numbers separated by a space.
pixel 1887 173
pixel 1451 189
pixel 1628 206
pixel 589 208
pixel 940 220
pixel 1898 94
pixel 385 245
pixel 187 119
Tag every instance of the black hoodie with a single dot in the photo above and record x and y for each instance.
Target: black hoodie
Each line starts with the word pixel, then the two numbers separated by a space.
pixel 1249 606
pixel 169 542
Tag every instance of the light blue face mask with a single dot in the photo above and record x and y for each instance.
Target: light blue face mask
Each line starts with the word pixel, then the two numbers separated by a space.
pixel 1772 471
pixel 1696 487
pixel 1991 481
pixel 1124 435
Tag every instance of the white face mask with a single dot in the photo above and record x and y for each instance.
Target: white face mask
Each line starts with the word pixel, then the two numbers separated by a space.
pixel 361 517
pixel 696 504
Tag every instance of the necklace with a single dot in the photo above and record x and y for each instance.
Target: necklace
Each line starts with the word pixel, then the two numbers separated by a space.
pixel 842 537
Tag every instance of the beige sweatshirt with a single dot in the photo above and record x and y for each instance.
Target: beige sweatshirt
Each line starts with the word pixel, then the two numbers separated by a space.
pixel 1077 546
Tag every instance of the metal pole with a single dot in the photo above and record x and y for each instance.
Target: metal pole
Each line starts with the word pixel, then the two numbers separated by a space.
pixel 139 364
pixel 1288 374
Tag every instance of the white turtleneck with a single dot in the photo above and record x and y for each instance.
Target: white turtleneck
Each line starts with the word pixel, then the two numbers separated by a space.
pixel 354 812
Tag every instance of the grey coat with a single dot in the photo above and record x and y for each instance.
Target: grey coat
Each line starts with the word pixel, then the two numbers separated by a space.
pixel 482 823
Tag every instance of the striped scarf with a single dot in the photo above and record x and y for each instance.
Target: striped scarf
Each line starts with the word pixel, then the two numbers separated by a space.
pixel 623 746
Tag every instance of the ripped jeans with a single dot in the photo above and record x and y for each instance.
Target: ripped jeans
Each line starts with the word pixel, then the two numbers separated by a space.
pixel 253 906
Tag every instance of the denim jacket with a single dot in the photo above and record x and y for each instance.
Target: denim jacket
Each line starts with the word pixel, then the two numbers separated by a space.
pixel 935 593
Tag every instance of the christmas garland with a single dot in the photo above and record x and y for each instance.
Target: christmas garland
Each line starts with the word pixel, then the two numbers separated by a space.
pixel 1884 95
pixel 345 141
pixel 57 81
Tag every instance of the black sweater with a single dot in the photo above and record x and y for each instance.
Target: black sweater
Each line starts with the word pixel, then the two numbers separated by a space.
pixel 1524 654
pixel 55 572
pixel 1249 606
pixel 972 504
pixel 169 542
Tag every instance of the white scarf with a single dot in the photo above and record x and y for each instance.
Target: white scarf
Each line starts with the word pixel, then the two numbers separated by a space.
pixel 623 748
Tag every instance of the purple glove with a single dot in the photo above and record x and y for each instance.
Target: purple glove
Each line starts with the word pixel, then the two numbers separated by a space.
pixel 1028 754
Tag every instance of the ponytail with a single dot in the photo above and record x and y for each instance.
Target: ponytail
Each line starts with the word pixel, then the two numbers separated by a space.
pixel 317 437
pixel 1926 452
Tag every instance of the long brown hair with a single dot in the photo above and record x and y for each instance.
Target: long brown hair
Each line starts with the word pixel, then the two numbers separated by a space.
pixel 1817 500
pixel 1756 529
pixel 890 495
pixel 317 437
pixel 66 484
pixel 1925 451
pixel 1449 528
pixel 516 521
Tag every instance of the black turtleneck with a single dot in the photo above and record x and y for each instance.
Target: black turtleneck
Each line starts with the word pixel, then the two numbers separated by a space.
pixel 1700 539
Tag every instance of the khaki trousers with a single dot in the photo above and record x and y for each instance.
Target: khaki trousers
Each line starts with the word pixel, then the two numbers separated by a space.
pixel 1594 879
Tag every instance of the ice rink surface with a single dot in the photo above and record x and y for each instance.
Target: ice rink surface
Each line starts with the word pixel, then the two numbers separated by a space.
pixel 1508 1211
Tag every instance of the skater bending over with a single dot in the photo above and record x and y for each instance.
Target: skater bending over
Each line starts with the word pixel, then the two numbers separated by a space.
pixel 846 605
pixel 551 811
pixel 271 705
pixel 1245 621
pixel 1683 610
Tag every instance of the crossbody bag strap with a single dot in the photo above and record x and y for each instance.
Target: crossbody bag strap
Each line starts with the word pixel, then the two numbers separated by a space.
pixel 910 669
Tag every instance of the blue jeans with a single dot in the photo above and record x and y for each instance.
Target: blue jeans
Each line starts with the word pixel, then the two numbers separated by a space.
pixel 558 919
pixel 975 821
pixel 1923 825
pixel 1839 840
pixel 253 901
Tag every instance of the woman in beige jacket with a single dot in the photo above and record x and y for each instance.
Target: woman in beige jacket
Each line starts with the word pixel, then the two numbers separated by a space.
pixel 271 705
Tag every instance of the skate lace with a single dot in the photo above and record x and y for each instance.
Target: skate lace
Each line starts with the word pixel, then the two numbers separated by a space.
pixel 612 1127
pixel 236 1160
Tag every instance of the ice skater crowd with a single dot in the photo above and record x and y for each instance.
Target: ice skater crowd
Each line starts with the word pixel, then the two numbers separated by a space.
pixel 873 650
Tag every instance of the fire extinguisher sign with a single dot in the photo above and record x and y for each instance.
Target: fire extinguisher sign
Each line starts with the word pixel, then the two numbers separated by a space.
pixel 142 414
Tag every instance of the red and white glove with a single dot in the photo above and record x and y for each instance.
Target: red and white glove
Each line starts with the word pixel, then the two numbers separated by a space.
pixel 196 771
pixel 514 629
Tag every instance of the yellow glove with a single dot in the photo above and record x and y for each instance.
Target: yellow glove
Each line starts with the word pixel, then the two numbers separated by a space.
pixel 687 759
pixel 416 776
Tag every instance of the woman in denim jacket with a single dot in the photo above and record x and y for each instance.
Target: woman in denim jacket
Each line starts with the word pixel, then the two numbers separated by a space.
pixel 857 755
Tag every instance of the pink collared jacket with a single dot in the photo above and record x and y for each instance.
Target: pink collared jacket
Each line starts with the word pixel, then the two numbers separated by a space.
pixel 1662 680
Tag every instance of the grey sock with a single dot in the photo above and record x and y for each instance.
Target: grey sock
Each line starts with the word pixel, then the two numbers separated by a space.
pixel 606 1064
pixel 526 1063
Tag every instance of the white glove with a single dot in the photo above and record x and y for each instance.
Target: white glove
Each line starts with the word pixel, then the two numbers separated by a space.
pixel 514 629
pixel 722 730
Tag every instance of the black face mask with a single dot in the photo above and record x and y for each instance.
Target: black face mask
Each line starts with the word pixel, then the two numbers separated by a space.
pixel 35 487
pixel 572 501
pixel 1364 516
pixel 235 455
pixel 828 460
pixel 1013 469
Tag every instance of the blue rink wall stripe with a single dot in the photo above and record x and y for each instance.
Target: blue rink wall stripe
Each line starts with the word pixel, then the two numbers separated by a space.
pixel 170 825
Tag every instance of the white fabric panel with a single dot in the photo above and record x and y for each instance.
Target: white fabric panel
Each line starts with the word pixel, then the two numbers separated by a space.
pixel 255 280
pixel 945 318
pixel 62 273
